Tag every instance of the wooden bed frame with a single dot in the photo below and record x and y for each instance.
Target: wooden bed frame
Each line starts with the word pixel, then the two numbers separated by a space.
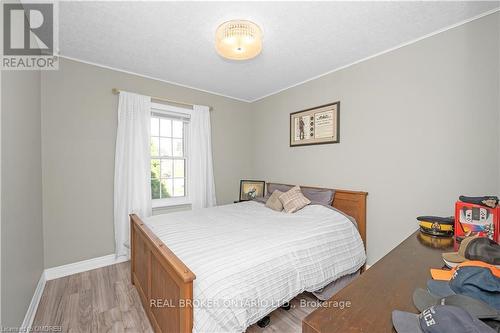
pixel 165 283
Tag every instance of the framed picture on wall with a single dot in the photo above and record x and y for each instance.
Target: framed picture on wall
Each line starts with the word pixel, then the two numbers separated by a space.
pixel 251 189
pixel 315 126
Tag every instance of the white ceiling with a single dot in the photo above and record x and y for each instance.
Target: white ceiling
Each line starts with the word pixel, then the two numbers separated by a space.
pixel 174 41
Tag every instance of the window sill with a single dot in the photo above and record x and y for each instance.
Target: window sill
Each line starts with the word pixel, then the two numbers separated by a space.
pixel 173 202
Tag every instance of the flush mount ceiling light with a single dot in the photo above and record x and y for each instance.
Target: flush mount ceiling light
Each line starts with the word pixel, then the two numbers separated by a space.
pixel 238 40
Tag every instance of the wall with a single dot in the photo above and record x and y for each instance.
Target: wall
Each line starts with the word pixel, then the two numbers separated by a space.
pixel 21 216
pixel 418 127
pixel 498 100
pixel 79 120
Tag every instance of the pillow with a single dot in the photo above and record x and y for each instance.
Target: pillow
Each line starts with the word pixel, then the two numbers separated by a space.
pixel 320 196
pixel 274 201
pixel 262 199
pixel 280 187
pixel 294 200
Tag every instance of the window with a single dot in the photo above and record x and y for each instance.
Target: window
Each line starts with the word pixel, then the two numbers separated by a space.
pixel 169 157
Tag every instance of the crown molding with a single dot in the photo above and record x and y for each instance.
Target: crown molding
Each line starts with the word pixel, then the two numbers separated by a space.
pixel 382 52
pixel 434 33
pixel 151 78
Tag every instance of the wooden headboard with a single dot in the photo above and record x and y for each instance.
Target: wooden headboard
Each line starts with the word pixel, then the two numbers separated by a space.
pixel 352 203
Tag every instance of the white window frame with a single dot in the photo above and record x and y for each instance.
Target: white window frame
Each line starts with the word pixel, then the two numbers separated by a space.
pixel 173 111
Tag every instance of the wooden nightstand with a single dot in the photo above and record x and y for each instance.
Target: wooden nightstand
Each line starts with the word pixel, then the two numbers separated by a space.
pixel 388 285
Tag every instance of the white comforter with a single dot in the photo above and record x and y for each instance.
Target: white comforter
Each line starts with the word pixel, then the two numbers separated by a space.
pixel 248 258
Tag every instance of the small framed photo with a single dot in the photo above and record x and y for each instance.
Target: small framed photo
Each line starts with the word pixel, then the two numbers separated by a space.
pixel 315 126
pixel 251 189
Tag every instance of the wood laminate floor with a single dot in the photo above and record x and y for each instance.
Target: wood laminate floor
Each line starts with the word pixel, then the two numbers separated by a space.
pixel 104 300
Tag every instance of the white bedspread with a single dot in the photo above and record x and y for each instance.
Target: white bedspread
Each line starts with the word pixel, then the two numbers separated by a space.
pixel 248 258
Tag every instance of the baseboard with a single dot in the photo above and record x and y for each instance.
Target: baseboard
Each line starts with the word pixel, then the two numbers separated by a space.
pixel 82 266
pixel 35 300
pixel 61 271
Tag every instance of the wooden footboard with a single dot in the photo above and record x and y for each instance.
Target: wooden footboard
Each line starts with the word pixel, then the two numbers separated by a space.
pixel 164 283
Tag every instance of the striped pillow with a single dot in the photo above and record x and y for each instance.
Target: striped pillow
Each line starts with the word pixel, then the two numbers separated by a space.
pixel 293 200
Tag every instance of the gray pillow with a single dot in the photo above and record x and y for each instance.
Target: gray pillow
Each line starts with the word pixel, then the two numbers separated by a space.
pixel 262 199
pixel 320 196
pixel 280 187
pixel 324 197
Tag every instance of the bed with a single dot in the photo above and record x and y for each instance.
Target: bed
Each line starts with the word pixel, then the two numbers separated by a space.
pixel 245 265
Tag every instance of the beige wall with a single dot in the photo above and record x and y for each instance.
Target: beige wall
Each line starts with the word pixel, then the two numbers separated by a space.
pixel 79 120
pixel 22 242
pixel 419 127
pixel 498 95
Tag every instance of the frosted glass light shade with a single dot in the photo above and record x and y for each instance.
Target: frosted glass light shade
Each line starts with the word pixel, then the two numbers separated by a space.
pixel 238 40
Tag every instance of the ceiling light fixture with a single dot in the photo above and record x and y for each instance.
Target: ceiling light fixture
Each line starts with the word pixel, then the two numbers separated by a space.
pixel 238 40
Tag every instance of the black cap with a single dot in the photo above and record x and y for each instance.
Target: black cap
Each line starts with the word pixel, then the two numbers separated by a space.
pixel 439 319
pixel 487 200
pixel 443 220
pixel 483 249
pixel 479 309
pixel 493 323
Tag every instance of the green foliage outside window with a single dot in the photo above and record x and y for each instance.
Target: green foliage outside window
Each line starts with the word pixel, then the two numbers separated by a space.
pixel 156 184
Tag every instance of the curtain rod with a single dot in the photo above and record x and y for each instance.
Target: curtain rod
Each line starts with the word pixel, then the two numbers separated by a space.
pixel 117 92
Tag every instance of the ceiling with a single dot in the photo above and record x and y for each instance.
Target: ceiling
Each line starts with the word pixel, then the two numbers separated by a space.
pixel 174 41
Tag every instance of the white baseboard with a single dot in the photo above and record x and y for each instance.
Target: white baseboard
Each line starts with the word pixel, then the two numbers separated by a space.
pixel 82 266
pixel 61 271
pixel 35 300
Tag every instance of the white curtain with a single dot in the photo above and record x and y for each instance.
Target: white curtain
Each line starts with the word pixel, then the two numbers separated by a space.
pixel 132 165
pixel 202 186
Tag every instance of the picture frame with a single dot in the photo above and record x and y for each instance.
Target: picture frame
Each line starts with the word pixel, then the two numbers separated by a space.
pixel 315 126
pixel 251 189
